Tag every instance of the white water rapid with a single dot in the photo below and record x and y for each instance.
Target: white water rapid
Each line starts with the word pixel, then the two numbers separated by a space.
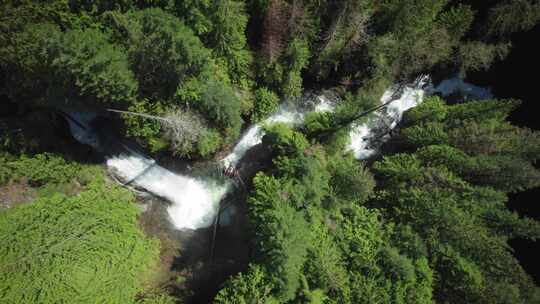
pixel 195 201
pixel 253 136
pixel 366 137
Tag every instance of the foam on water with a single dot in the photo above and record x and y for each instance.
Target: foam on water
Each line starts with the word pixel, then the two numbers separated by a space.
pixel 365 137
pixel 253 136
pixel 194 202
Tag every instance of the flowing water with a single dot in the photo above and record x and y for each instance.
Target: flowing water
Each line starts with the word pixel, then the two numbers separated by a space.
pixel 195 200
pixel 366 137
pixel 286 114
pixel 457 85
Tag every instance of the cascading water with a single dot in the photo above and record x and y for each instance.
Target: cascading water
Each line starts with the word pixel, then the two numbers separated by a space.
pixel 365 137
pixel 195 201
pixel 253 136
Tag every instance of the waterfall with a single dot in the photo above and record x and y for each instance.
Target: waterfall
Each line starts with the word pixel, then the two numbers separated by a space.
pixel 365 138
pixel 195 201
pixel 286 114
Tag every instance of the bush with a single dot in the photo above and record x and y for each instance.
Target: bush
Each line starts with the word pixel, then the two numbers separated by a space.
pixel 209 143
pixel 284 140
pixel 84 62
pixel 183 129
pixel 222 107
pixel 40 169
pixel 266 103
pixel 80 249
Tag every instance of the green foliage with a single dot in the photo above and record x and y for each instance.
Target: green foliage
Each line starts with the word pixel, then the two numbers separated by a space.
pixel 87 66
pixel 296 59
pixel 43 168
pixel 318 122
pixel 307 177
pixel 228 39
pixel 164 52
pixel 325 268
pixel 458 271
pixel 71 66
pixel 100 6
pixel 346 32
pixel 266 103
pixel 144 128
pixel 449 195
pixel 84 248
pixel 508 17
pixel 431 109
pixel 476 56
pixel 457 20
pixel 431 133
pixel 482 110
pixel 209 143
pixel 397 265
pixel 350 181
pixel 412 40
pixel 253 286
pixel 159 299
pixel 360 237
pixel 510 224
pixel 22 58
pixel 281 235
pixel 284 140
pixel 222 107
pixel 196 14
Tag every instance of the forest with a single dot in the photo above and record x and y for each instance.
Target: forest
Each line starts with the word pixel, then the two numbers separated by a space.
pixel 423 220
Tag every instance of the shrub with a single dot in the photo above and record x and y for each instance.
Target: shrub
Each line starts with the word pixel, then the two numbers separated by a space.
pixel 183 129
pixel 80 249
pixel 284 140
pixel 209 143
pixel 222 107
pixel 266 102
pixel 42 168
